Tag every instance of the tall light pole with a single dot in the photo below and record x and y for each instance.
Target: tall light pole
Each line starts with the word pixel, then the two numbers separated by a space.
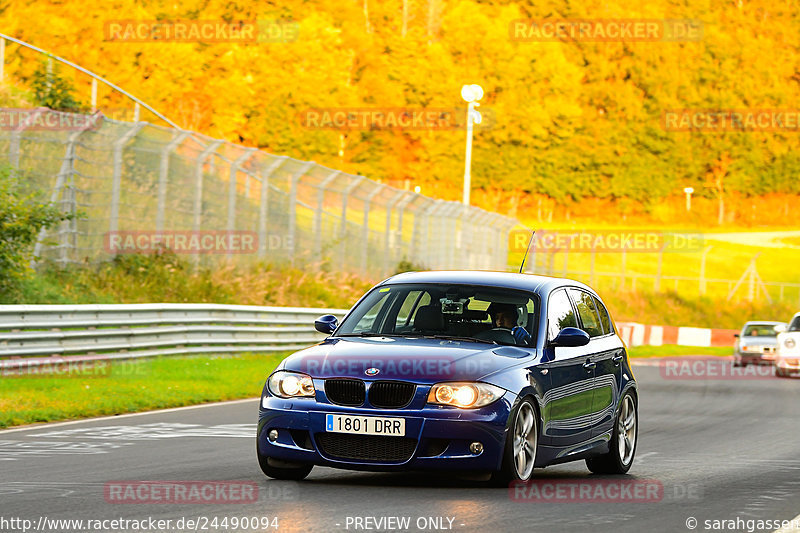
pixel 471 94
pixel 688 191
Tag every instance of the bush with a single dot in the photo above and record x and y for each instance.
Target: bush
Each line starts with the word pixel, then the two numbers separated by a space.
pixel 23 214
pixel 52 91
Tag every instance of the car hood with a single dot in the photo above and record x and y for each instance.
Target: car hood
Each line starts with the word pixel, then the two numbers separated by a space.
pixel 419 360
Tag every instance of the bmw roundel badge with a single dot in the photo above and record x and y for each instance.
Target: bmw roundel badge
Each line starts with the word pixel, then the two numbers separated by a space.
pixel 372 371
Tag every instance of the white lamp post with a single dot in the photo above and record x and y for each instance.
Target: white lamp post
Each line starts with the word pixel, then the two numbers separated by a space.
pixel 688 191
pixel 471 94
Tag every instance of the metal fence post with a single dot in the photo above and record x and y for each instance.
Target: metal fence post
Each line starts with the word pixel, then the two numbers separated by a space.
pixel 365 229
pixel 703 270
pixel 94 95
pixel 116 180
pixel 163 172
pixel 198 187
pixel 263 204
pixel 657 286
pixel 318 212
pixel 232 186
pixel 343 230
pixel 387 246
pixel 64 175
pixel 16 136
pixel 401 208
pixel 416 251
pixel 293 207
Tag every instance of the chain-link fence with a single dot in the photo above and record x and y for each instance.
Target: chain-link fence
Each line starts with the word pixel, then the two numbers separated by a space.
pixel 137 187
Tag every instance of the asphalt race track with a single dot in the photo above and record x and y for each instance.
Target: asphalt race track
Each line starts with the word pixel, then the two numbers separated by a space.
pixel 719 450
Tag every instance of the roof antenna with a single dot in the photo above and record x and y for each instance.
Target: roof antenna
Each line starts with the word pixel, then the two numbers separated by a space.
pixel 524 257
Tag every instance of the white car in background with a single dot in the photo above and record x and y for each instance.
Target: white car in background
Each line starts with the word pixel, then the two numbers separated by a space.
pixel 787 361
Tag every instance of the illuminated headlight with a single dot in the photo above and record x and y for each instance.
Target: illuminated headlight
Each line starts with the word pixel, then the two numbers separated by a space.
pixel 751 348
pixel 290 384
pixel 789 343
pixel 464 395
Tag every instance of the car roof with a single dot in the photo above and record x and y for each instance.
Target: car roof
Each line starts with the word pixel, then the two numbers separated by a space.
pixel 763 322
pixel 509 280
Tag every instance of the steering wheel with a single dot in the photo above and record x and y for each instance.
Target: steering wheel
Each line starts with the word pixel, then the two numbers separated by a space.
pixel 499 335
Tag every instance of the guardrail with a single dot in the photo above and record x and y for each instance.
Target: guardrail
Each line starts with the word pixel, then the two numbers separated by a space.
pixel 35 335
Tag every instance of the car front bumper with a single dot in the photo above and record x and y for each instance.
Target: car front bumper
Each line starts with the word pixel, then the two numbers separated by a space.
pixel 441 435
pixel 755 358
pixel 788 363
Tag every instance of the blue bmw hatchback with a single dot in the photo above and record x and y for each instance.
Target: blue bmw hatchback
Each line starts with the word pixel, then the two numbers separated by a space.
pixel 472 371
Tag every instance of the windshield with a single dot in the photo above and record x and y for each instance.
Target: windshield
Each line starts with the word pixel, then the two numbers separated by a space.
pixel 795 325
pixel 462 312
pixel 760 330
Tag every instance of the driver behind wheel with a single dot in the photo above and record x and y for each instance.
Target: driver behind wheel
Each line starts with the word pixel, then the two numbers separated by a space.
pixel 505 316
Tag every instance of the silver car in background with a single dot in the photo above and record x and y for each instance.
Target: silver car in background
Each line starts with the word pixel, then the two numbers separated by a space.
pixel 757 343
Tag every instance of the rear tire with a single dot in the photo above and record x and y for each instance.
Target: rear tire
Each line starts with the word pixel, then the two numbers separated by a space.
pixel 519 451
pixel 622 448
pixel 286 473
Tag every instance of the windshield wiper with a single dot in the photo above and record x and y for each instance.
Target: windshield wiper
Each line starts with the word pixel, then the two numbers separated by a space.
pixel 370 334
pixel 456 338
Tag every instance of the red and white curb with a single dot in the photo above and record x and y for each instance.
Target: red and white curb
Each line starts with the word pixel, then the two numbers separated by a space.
pixel 635 334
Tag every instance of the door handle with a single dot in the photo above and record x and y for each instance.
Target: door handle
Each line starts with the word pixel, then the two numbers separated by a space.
pixel 589 365
pixel 617 359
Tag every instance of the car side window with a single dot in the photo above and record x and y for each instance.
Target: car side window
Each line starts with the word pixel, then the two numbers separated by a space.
pixel 367 322
pixel 586 310
pixel 605 319
pixel 559 313
pixel 413 301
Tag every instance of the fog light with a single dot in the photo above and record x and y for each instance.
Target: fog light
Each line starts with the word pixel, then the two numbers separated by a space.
pixel 476 448
pixel 273 435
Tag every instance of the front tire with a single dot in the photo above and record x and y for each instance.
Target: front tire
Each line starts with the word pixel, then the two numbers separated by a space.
pixel 622 448
pixel 519 453
pixel 291 473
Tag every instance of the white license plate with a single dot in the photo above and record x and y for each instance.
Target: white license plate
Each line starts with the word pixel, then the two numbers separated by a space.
pixel 365 425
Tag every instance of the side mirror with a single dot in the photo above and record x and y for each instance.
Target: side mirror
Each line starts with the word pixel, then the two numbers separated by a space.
pixel 326 324
pixel 571 337
pixel 736 335
pixel 780 328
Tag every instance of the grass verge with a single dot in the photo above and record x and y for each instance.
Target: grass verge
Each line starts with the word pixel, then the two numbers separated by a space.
pixel 132 386
pixel 670 350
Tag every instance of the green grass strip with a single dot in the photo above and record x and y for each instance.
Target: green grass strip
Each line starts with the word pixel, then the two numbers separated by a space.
pixel 132 386
pixel 673 349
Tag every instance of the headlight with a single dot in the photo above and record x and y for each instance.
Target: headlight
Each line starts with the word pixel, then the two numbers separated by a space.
pixel 789 343
pixel 290 384
pixel 464 395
